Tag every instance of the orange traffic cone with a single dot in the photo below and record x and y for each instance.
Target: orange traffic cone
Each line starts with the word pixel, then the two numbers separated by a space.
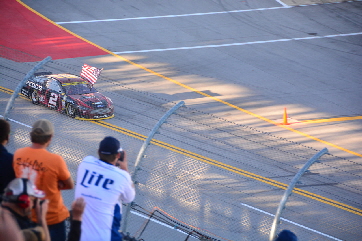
pixel 285 117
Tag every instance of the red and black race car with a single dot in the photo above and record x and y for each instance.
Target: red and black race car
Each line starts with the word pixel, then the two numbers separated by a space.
pixel 69 94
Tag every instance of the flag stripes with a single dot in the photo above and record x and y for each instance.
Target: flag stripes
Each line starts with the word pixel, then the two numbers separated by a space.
pixel 90 73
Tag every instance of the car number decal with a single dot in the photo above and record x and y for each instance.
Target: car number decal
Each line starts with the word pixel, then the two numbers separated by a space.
pixel 53 99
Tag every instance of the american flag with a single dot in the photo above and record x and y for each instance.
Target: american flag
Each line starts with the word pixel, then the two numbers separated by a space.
pixel 90 73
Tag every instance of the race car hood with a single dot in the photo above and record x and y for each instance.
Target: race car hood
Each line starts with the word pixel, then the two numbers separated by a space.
pixel 93 100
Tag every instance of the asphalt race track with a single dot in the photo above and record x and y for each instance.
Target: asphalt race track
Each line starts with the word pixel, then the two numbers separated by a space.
pixel 250 59
pixel 243 61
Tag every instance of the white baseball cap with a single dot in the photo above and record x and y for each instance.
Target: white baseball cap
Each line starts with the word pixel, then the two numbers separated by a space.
pixel 20 186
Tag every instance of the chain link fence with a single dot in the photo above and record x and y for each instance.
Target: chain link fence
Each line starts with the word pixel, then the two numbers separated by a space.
pixel 202 177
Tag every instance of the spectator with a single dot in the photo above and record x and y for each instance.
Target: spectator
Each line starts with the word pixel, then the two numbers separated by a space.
pixel 286 235
pixel 75 225
pixel 7 173
pixel 9 230
pixel 19 198
pixel 49 172
pixel 104 186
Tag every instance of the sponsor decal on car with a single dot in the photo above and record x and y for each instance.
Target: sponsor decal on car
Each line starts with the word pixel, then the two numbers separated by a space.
pixel 34 85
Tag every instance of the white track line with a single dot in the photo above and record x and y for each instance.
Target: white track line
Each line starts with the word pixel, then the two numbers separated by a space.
pixel 286 220
pixel 156 221
pixel 17 122
pixel 197 14
pixel 238 44
pixel 251 207
pixel 281 3
pixel 173 16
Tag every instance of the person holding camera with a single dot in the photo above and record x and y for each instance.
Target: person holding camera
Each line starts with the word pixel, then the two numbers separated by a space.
pixel 104 183
pixel 19 199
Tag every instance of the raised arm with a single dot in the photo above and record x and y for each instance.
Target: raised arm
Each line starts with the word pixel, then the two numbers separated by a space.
pixel 41 209
pixel 66 184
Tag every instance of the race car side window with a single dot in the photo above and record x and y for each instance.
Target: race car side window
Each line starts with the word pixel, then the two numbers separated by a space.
pixel 39 80
pixel 53 85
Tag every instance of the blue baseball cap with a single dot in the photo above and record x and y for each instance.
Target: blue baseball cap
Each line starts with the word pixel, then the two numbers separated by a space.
pixel 286 235
pixel 109 145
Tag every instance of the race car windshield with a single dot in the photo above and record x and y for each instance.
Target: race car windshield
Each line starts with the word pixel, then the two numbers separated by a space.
pixel 79 89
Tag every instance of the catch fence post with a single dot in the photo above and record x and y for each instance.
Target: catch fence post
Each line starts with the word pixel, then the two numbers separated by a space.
pixel 141 155
pixel 289 191
pixel 21 84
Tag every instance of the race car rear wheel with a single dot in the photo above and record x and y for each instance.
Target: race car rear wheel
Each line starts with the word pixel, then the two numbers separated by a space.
pixel 70 110
pixel 35 97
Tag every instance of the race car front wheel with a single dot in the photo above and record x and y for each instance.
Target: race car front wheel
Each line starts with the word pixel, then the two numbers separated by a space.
pixel 70 110
pixel 35 97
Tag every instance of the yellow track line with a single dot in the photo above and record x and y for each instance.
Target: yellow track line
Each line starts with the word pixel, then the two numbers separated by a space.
pixel 7 91
pixel 332 119
pixel 10 92
pixel 236 170
pixel 220 164
pixel 190 88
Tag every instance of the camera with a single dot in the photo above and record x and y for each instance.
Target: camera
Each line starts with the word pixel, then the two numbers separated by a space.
pixel 40 202
pixel 121 158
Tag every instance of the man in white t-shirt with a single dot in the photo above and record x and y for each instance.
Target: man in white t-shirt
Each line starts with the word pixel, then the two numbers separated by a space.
pixel 103 187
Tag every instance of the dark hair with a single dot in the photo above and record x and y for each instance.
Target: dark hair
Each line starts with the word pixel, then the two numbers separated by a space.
pixel 108 158
pixel 39 139
pixel 5 130
pixel 286 235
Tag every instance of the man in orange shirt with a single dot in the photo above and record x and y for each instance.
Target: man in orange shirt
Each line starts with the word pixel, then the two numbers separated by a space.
pixel 49 172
